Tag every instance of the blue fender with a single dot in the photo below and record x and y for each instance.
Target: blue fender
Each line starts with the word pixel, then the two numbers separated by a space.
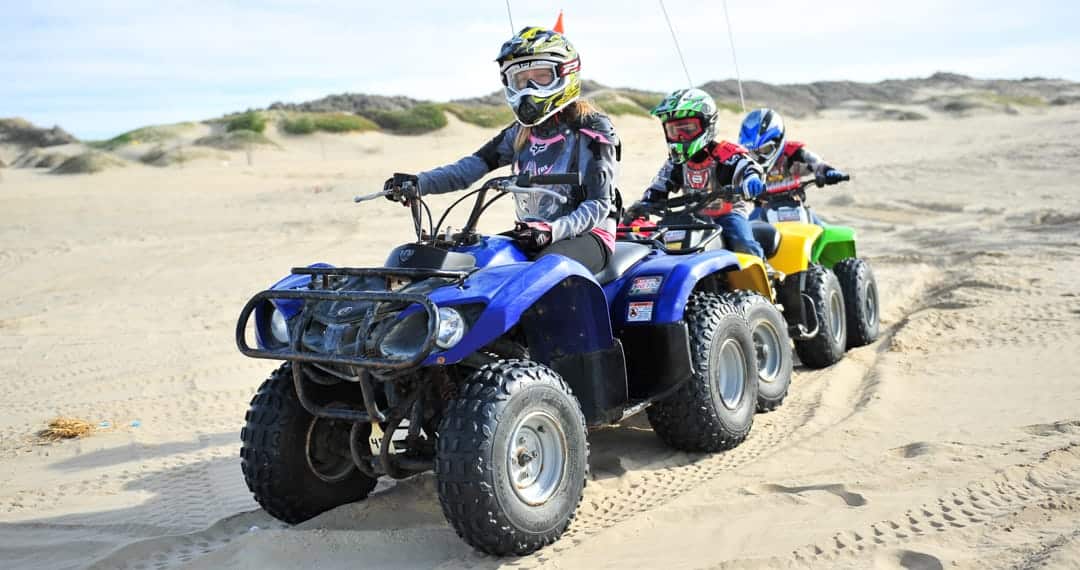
pixel 494 250
pixel 679 275
pixel 569 312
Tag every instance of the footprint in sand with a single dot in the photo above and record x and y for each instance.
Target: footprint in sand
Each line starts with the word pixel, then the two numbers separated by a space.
pixel 907 559
pixel 838 490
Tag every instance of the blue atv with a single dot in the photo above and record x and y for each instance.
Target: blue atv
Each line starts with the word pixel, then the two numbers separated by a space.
pixel 462 356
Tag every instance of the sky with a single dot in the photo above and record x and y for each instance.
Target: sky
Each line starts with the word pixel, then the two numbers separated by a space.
pixel 99 68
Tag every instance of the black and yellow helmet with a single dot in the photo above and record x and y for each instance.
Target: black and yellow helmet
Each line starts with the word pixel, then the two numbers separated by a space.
pixel 540 73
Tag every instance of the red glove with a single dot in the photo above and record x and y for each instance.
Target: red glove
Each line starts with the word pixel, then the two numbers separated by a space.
pixel 532 236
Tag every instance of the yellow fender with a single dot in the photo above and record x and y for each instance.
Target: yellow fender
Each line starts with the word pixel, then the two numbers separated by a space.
pixel 751 276
pixel 796 242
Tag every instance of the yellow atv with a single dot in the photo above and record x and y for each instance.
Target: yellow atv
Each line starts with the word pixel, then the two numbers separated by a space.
pixel 829 295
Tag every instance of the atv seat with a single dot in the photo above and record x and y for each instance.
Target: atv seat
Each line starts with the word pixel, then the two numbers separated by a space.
pixel 624 257
pixel 767 236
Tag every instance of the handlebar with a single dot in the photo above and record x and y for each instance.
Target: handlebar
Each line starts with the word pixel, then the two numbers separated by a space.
pixel 523 183
pixel 371 196
pixel 798 184
pixel 728 193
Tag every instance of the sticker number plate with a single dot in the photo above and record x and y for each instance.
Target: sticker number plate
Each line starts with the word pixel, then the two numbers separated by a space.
pixel 639 312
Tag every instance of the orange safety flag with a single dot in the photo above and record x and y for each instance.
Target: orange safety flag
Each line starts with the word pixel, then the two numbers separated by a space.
pixel 558 24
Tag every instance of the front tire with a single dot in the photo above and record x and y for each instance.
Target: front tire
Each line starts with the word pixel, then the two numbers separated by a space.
pixel 512 458
pixel 772 347
pixel 296 465
pixel 827 346
pixel 860 301
pixel 714 409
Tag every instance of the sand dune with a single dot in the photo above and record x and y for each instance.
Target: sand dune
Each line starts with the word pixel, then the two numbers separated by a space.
pixel 954 441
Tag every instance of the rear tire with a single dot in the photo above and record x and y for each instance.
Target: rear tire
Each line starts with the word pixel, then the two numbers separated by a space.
pixel 714 409
pixel 296 465
pixel 860 301
pixel 772 347
pixel 827 346
pixel 512 458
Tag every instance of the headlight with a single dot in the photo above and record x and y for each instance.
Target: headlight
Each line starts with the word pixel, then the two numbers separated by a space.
pixel 279 329
pixel 451 328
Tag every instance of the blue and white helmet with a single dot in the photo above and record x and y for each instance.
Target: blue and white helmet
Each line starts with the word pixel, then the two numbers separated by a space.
pixel 763 134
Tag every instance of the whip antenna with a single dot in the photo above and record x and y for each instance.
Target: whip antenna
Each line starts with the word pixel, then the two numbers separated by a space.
pixel 676 40
pixel 510 16
pixel 731 39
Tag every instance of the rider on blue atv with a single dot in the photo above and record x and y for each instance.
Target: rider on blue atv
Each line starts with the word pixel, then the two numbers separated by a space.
pixel 763 133
pixel 555 132
pixel 698 162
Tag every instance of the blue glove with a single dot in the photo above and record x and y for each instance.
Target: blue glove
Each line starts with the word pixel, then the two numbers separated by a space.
pixel 752 186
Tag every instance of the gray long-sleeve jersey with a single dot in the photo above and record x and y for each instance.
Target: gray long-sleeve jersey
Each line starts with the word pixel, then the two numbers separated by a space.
pixel 589 147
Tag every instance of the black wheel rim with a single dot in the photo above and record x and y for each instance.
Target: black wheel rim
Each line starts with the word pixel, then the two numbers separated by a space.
pixel 326 447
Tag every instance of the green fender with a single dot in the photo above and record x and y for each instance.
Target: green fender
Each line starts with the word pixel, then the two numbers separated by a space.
pixel 834 245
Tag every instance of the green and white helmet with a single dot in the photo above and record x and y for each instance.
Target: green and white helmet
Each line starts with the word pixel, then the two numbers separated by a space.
pixel 689 120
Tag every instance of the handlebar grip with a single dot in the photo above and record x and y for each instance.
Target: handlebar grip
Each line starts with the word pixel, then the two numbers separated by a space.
pixel 371 196
pixel 573 178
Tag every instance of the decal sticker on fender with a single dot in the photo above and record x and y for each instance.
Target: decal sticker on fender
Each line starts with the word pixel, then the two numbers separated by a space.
pixel 675 235
pixel 646 285
pixel 639 312
pixel 789 214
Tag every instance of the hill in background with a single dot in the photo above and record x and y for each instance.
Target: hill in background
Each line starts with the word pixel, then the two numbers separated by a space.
pixel 942 94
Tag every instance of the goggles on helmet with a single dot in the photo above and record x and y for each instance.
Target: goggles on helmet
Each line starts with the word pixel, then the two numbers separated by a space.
pixel 537 76
pixel 765 151
pixel 683 130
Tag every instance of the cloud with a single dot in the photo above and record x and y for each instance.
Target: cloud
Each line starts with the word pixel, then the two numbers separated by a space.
pixel 101 67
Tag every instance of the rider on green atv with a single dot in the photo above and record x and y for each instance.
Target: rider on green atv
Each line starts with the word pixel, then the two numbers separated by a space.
pixel 700 163
pixel 764 134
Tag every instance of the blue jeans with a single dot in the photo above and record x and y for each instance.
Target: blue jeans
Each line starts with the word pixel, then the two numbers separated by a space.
pixel 738 236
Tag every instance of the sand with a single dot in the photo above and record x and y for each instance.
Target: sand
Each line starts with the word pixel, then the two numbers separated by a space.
pixel 954 441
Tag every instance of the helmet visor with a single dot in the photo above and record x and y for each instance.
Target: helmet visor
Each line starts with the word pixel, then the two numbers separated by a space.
pixel 683 130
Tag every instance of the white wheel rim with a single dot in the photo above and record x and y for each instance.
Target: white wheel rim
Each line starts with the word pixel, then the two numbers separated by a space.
pixel 768 351
pixel 536 458
pixel 836 316
pixel 730 367
pixel 871 305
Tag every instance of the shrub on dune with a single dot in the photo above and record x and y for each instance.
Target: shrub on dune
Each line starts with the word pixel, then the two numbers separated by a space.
pixel 142 135
pixel 488 116
pixel 249 121
pixel 235 140
pixel 308 123
pixel 420 119
pixel 87 163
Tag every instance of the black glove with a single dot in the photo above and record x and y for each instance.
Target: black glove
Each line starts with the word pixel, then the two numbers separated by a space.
pixel 531 237
pixel 402 187
pixel 639 209
pixel 828 175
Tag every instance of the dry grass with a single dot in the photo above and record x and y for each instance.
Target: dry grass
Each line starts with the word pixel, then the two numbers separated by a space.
pixel 88 163
pixel 65 428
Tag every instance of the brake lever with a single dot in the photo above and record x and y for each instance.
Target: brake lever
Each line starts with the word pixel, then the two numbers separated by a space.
pixel 371 196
